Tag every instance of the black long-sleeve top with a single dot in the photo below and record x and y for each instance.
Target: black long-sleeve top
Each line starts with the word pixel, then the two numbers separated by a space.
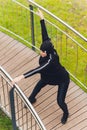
pixel 52 72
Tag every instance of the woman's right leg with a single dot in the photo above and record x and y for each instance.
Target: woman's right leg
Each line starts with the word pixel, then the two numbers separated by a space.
pixel 36 90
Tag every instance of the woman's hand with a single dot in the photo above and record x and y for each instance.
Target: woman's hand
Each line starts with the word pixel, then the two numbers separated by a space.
pixel 39 12
pixel 17 79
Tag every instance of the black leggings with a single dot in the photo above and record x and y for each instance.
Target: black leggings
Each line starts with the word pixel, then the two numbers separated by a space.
pixel 37 88
pixel 62 90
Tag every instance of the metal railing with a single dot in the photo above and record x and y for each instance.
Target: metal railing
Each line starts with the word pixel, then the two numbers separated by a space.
pixel 69 43
pixel 13 105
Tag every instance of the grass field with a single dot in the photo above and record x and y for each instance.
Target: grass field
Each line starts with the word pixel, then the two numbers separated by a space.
pixel 73 12
pixel 5 122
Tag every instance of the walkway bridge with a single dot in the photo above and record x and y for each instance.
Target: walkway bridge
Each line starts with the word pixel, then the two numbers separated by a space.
pixel 45 114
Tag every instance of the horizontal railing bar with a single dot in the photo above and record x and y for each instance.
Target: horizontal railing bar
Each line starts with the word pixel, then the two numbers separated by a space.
pixel 67 35
pixel 5 78
pixel 1 68
pixel 85 87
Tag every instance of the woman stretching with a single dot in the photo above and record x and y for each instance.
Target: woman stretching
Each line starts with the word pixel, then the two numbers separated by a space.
pixel 51 71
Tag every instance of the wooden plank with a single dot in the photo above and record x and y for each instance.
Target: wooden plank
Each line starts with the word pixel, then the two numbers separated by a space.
pixel 84 128
pixel 5 50
pixel 75 122
pixel 4 41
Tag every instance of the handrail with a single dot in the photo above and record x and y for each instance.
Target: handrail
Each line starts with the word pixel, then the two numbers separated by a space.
pixel 67 35
pixel 55 17
pixel 7 75
pixel 26 101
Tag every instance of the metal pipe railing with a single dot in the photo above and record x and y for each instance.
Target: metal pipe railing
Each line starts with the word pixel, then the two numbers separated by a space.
pixel 24 99
pixel 81 46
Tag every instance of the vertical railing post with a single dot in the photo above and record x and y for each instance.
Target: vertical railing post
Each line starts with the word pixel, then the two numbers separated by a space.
pixel 32 26
pixel 12 106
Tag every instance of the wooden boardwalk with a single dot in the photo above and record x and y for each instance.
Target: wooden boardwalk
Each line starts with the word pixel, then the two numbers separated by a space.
pixel 16 59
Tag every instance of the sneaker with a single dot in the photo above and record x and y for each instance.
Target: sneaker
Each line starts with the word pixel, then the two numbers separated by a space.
pixel 64 118
pixel 33 100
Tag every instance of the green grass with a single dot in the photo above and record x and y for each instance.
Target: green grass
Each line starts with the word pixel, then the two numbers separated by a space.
pixel 73 12
pixel 5 122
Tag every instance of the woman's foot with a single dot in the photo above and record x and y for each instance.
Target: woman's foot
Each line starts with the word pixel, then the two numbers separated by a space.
pixel 32 100
pixel 64 118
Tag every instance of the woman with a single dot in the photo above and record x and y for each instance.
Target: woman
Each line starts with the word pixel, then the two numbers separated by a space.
pixel 52 72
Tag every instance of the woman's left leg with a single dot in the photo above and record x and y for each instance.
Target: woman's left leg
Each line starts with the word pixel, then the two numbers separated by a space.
pixel 62 90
